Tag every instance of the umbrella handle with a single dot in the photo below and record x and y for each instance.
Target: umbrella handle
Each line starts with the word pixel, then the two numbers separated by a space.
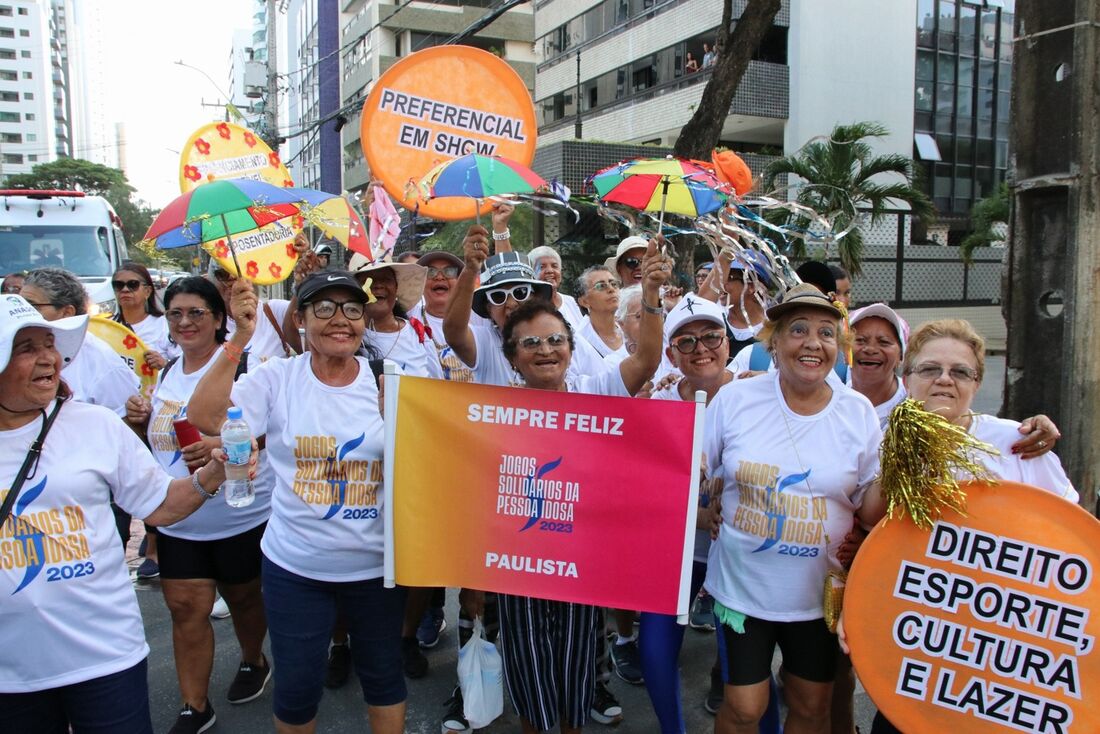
pixel 232 249
pixel 477 211
pixel 661 218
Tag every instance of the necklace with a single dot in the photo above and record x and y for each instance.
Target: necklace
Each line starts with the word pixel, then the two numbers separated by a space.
pixel 396 335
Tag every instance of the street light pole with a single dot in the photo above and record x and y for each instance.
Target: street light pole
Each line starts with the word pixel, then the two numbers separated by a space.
pixel 577 125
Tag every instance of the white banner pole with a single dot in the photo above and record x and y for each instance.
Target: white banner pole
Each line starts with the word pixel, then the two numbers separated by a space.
pixel 392 383
pixel 683 604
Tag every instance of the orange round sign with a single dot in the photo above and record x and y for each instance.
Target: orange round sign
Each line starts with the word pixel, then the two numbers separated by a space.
pixel 984 624
pixel 443 103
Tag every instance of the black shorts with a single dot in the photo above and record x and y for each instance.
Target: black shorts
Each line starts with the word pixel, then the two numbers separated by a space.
pixel 232 560
pixel 809 651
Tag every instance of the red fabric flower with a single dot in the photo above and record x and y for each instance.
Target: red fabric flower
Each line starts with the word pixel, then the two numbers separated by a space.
pixel 223 130
pixel 147 370
pixel 251 269
pixel 129 341
pixel 273 159
pixel 290 251
pixel 287 183
pixel 220 249
pixel 275 270
pixel 191 173
pixel 202 146
pixel 249 139
pixel 297 221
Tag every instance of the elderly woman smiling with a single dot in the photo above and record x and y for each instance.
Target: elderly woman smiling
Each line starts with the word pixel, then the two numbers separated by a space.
pixel 798 461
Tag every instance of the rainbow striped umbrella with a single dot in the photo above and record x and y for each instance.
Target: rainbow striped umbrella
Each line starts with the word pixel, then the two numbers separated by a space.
pixel 662 185
pixel 219 210
pixel 479 177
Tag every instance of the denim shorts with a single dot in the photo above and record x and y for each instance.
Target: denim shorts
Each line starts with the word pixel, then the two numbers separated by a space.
pixel 110 704
pixel 301 613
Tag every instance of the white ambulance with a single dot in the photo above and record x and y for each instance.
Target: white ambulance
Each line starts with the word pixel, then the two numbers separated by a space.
pixel 65 229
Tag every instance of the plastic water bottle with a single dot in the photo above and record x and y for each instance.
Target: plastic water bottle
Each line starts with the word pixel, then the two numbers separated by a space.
pixel 237 443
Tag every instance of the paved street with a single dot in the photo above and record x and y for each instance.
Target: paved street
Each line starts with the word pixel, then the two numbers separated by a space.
pixel 343 711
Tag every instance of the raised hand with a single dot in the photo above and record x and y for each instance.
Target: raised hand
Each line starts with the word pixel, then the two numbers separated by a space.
pixel 245 305
pixel 475 248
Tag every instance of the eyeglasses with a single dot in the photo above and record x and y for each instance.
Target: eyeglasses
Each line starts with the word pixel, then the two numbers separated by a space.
pixel 499 296
pixel 451 271
pixel 687 343
pixel 193 315
pixel 41 306
pixel 933 371
pixel 557 340
pixel 632 262
pixel 605 285
pixel 127 285
pixel 224 276
pixel 326 309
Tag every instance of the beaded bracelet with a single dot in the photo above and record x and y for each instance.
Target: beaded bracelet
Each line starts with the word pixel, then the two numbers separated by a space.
pixel 500 236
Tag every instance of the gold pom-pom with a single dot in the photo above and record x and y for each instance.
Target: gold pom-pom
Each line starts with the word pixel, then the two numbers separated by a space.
pixel 923 456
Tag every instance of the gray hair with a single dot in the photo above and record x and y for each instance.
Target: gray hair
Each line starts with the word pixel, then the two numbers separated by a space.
pixel 60 287
pixel 627 297
pixel 539 253
pixel 582 279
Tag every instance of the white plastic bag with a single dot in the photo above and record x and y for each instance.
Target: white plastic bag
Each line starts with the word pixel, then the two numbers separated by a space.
pixel 481 678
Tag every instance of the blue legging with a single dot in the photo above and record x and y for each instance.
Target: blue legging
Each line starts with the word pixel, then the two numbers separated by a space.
pixel 659 641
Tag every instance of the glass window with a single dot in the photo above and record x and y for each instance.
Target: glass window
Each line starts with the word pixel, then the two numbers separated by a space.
pixel 947 25
pixel 985 103
pixel 941 185
pixel 968 20
pixel 965 102
pixel 9 97
pixel 983 182
pixel 9 117
pixel 984 152
pixel 1002 105
pixel 966 71
pixel 964 126
pixel 946 145
pixel 923 121
pixel 988 40
pixel 28 116
pixel 922 99
pixel 945 98
pixel 965 151
pixel 985 128
pixel 963 187
pixel 943 123
pixel 1000 154
pixel 926 23
pixel 985 73
pixel 946 71
pixel 7 33
pixel 925 65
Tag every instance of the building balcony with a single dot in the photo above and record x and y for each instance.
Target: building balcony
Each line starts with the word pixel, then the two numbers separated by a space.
pixel 515 25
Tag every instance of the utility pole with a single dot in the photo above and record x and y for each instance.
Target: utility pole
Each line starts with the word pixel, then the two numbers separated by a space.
pixel 271 104
pixel 1052 293
pixel 577 125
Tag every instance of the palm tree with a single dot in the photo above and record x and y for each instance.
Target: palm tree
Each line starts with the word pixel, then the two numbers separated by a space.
pixel 842 174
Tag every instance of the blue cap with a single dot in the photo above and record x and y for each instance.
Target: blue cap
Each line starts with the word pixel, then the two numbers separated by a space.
pixel 234 413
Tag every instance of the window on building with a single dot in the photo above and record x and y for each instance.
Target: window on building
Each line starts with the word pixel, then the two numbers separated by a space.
pixel 9 96
pixel 11 138
pixel 7 33
pixel 24 33
pixel 10 117
pixel 22 11
pixel 28 116
pixel 7 53
pixel 25 54
pixel 8 76
pixel 16 158
pixel 28 95
pixel 5 10
pixel 32 137
pixel 28 75
pixel 32 158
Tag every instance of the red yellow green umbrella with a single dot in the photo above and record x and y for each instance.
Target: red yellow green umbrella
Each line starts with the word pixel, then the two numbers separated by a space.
pixel 672 185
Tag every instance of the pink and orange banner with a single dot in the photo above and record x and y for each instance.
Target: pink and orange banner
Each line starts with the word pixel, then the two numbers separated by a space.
pixel 562 496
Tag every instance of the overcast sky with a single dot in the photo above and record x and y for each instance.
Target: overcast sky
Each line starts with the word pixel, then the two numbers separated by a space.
pixel 159 101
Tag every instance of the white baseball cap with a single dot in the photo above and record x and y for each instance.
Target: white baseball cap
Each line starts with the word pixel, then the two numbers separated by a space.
pixel 16 314
pixel 692 308
pixel 882 311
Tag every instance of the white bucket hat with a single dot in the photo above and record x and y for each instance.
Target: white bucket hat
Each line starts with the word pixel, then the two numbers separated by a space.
pixel 17 314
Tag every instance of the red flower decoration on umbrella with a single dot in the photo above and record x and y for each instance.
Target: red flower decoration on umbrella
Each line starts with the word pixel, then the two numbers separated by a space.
pixel 223 130
pixel 202 146
pixel 297 221
pixel 290 251
pixel 147 370
pixel 249 139
pixel 275 270
pixel 252 269
pixel 220 249
pixel 287 183
pixel 273 159
pixel 129 341
pixel 191 173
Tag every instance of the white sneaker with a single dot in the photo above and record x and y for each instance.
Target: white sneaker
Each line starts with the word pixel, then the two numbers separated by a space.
pixel 221 609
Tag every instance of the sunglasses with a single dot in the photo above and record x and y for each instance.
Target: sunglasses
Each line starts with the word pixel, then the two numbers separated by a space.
pixel 632 262
pixel 127 285
pixel 686 344
pixel 193 315
pixel 557 340
pixel 605 285
pixel 326 309
pixel 450 271
pixel 499 296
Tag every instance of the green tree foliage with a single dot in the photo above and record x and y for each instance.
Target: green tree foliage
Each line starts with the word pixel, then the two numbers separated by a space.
pixel 843 172
pixel 987 212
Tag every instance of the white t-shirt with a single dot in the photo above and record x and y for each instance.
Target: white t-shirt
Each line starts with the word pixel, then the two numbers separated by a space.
pixel 215 519
pixel 883 411
pixel 743 359
pixel 589 334
pixel 69 613
pixel 1045 472
pixel 451 367
pixel 614 359
pixel 571 310
pixel 493 368
pixel 415 357
pixel 324 444
pixel 702 537
pixel 785 477
pixel 265 343
pixel 153 330
pixel 97 375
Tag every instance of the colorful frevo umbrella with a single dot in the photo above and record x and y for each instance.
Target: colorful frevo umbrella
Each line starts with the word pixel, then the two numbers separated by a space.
pixel 335 217
pixel 220 209
pixel 480 177
pixel 672 185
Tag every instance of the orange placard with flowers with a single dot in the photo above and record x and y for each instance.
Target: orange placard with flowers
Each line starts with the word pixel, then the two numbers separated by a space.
pixel 129 347
pixel 222 150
